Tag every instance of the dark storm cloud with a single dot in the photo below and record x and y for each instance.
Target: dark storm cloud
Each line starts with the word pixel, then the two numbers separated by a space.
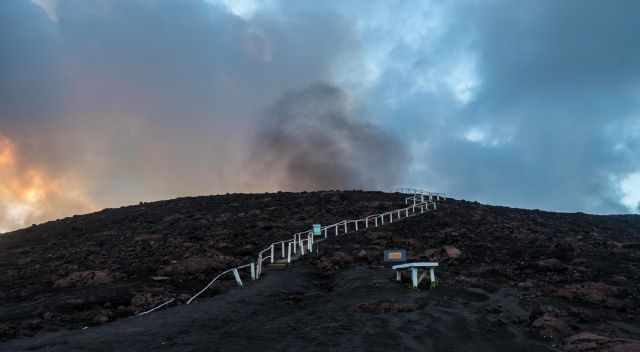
pixel 153 99
pixel 559 92
pixel 313 136
pixel 28 58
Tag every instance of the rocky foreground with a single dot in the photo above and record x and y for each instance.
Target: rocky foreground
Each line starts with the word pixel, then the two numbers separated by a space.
pixel 533 280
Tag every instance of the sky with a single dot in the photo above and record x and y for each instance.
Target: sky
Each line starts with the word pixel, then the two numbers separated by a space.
pixel 532 104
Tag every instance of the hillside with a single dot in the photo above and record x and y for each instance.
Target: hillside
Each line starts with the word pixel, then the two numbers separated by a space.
pixel 510 279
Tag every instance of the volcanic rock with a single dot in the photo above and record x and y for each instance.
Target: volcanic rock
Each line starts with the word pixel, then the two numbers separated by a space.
pixel 589 342
pixel 195 265
pixel 591 292
pixel 552 264
pixel 452 252
pixel 386 307
pixel 549 326
pixel 84 278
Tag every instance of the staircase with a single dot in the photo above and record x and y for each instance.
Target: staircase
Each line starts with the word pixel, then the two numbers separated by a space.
pixel 279 255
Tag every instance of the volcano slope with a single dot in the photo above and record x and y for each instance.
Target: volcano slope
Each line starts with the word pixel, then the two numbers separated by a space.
pixel 510 279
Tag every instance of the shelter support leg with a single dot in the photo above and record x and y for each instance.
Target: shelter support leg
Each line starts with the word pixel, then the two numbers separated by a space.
pixel 432 277
pixel 414 277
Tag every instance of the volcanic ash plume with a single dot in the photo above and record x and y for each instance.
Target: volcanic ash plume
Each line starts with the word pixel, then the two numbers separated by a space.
pixel 29 195
pixel 310 140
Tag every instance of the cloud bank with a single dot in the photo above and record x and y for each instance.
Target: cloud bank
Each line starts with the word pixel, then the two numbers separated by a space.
pixel 531 104
pixel 145 100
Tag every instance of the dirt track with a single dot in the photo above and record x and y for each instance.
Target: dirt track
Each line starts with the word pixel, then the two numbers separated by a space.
pixel 294 310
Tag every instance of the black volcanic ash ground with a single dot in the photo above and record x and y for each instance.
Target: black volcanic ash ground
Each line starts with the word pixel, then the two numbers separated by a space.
pixel 511 279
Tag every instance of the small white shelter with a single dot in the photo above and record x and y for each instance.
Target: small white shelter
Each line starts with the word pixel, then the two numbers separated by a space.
pixel 414 268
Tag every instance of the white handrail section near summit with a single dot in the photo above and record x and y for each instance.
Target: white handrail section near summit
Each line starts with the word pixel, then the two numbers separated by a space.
pixel 302 242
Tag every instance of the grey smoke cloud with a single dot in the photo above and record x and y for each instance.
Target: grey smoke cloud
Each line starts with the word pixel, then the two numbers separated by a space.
pixel 529 104
pixel 313 137
pixel 145 100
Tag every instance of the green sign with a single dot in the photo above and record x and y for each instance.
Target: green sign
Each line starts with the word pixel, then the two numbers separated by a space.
pixel 316 229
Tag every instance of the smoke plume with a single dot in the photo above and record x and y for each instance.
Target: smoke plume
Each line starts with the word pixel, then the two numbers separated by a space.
pixel 106 103
pixel 312 140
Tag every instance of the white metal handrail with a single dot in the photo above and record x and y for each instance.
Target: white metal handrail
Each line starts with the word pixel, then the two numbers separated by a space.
pixel 305 239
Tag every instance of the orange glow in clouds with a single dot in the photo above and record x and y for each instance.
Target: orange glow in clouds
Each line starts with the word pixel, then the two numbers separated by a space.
pixel 28 195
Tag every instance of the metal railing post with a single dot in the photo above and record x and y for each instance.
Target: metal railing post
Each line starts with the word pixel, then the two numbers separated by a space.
pixel 273 253
pixel 253 271
pixel 237 276
pixel 295 243
pixel 259 269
